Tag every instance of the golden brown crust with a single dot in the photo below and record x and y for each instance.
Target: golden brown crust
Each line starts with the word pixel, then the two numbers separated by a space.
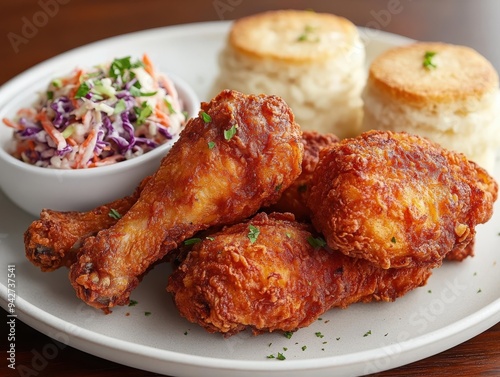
pixel 208 178
pixel 53 240
pixel 279 281
pixel 293 36
pixel 460 74
pixel 398 200
pixel 294 198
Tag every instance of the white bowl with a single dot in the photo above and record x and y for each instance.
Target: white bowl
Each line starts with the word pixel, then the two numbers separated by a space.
pixel 33 188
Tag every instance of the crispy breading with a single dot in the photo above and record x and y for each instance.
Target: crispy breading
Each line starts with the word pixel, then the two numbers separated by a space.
pixel 398 200
pixel 270 274
pixel 53 240
pixel 236 156
pixel 294 198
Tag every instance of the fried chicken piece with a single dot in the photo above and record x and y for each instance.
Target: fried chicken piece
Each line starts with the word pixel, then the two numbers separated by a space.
pixel 294 198
pixel 53 240
pixel 270 274
pixel 398 200
pixel 236 156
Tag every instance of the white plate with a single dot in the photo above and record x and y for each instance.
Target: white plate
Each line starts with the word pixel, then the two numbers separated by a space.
pixel 460 301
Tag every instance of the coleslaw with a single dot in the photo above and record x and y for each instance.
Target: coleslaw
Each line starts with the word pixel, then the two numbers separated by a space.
pixel 109 113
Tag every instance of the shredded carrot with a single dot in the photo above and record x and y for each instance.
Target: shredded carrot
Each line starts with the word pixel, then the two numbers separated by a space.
pixel 27 112
pixel 162 117
pixel 85 149
pixel 54 134
pixel 148 65
pixel 71 141
pixel 106 161
pixel 75 81
pixel 12 124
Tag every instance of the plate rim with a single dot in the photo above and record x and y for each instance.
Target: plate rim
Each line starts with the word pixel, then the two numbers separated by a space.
pixel 461 330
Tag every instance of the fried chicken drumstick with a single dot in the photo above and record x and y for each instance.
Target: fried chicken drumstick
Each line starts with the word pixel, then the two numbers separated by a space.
pixel 267 274
pixel 399 200
pixel 294 198
pixel 237 156
pixel 53 240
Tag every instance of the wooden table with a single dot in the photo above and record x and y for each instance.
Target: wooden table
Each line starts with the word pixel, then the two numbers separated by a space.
pixel 59 25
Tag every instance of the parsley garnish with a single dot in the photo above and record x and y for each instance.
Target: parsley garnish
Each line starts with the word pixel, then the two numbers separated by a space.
pixel 281 356
pixel 132 303
pixel 121 65
pixel 319 334
pixel 304 348
pixel 83 90
pixel 428 63
pixel 143 112
pixel 369 332
pixel 316 242
pixel 271 356
pixel 393 239
pixel 147 314
pixel 192 241
pixel 307 35
pixel 211 145
pixel 136 92
pixel 113 213
pixel 169 105
pixel 228 134
pixel 206 118
pixel 288 334
pixel 253 233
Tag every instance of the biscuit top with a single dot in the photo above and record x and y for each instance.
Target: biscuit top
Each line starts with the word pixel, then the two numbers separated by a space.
pixel 425 72
pixel 294 36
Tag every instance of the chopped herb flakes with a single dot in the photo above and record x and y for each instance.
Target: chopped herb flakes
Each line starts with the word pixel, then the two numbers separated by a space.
pixel 304 348
pixel 113 213
pixel 479 290
pixel 147 314
pixel 369 332
pixel 428 63
pixel 211 145
pixel 192 241
pixel 316 242
pixel 393 239
pixel 288 334
pixel 228 134
pixel 319 334
pixel 253 233
pixel 308 35
pixel 132 303
pixel 206 118
pixel 281 356
pixel 83 90
pixel 143 112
